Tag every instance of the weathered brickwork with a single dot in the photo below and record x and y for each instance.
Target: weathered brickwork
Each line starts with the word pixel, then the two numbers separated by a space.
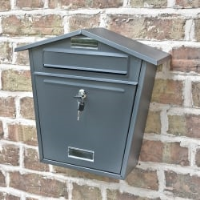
pixel 196 94
pixel 14 80
pixel 153 124
pixel 7 108
pixel 197 28
pixel 172 153
pixel 6 196
pixel 84 175
pixel 169 162
pixel 27 109
pixel 83 21
pixel 5 5
pixel 143 179
pixel 186 59
pixel 22 133
pixel 85 192
pixel 149 3
pixel 188 4
pixel 9 155
pixel 31 160
pixel 168 92
pixel 32 25
pixel 116 195
pixel 38 184
pixel 184 125
pixel 2 180
pixel 29 4
pixel 188 187
pixel 163 27
pixel 5 52
pixel 74 4
pixel 1 130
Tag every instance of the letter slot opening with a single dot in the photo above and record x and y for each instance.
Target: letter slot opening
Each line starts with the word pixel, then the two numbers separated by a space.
pixel 81 154
pixel 84 42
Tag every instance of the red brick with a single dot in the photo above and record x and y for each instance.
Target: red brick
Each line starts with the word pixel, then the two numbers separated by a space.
pixel 163 27
pixel 149 3
pixel 2 180
pixel 85 192
pixel 48 25
pixel 9 155
pixel 5 196
pixel 74 4
pixel 198 157
pixel 197 29
pixel 116 195
pixel 168 92
pixel 153 124
pixel 30 4
pixel 183 185
pixel 27 108
pixel 184 125
pixel 5 52
pixel 196 94
pixel 22 56
pixel 7 108
pixel 83 21
pixel 79 174
pixel 31 198
pixel 31 160
pixel 143 179
pixel 5 5
pixel 1 130
pixel 38 184
pixel 22 133
pixel 32 25
pixel 188 4
pixel 171 153
pixel 13 80
pixel 185 59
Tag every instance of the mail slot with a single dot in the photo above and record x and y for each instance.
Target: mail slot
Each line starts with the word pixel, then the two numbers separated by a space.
pixel 91 90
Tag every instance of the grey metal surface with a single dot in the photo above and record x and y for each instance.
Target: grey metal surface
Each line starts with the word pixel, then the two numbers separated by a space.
pixel 102 132
pixel 104 121
pixel 132 47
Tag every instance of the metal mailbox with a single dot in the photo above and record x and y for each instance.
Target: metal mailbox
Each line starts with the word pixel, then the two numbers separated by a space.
pixel 91 91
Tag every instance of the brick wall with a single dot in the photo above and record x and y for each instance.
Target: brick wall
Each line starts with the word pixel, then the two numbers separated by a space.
pixel 169 166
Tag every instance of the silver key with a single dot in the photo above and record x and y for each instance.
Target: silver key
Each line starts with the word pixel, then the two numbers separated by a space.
pixel 78 116
pixel 81 106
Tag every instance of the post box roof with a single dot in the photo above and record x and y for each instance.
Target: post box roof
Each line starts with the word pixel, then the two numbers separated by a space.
pixel 110 38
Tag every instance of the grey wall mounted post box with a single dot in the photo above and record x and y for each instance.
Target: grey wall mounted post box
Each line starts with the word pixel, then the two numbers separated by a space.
pixel 91 92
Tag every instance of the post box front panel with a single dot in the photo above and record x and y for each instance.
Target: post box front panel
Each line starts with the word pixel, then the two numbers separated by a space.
pixel 98 139
pixel 116 63
pixel 97 63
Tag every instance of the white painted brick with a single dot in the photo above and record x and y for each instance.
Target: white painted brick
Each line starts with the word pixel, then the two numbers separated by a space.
pixel 164 120
pixel 66 24
pixel 126 3
pixel 46 3
pixel 17 106
pixel 21 156
pixel 13 4
pixel 103 21
pixel 171 3
pixel 189 30
pixel 192 154
pixel 187 93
